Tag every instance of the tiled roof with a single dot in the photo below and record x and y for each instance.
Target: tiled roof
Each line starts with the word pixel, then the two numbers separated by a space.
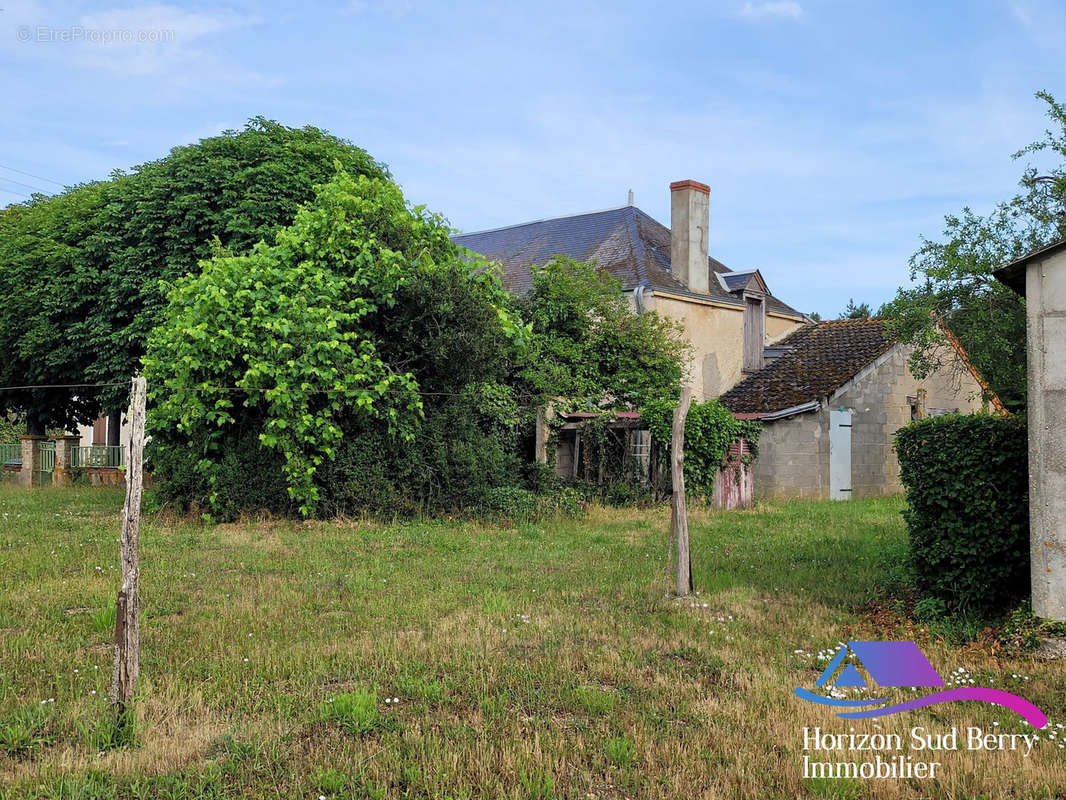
pixel 820 358
pixel 625 242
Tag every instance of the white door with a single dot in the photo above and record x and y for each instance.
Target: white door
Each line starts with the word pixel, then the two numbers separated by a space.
pixel 839 454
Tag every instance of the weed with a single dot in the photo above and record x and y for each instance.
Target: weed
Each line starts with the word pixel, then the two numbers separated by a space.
pixel 24 730
pixel 538 784
pixel 111 731
pixel 620 751
pixel 355 712
pixel 330 782
pixel 595 701
pixel 103 619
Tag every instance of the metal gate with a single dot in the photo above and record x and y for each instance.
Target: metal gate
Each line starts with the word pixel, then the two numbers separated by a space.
pixel 839 454
pixel 48 462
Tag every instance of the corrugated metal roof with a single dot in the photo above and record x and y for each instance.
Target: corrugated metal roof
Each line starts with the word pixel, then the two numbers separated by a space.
pixel 624 241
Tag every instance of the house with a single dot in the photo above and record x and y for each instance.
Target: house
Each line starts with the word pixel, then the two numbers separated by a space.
pixel 1040 277
pixel 106 430
pixel 831 397
pixel 728 316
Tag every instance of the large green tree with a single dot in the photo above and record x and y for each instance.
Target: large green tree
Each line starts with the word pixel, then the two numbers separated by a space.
pixel 353 335
pixel 84 274
pixel 955 286
pixel 587 344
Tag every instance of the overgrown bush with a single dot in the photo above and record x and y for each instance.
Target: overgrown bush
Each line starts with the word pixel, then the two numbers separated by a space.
pixel 967 508
pixel 355 362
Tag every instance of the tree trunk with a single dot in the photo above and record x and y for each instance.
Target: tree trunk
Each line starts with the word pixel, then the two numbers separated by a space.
pixel 34 423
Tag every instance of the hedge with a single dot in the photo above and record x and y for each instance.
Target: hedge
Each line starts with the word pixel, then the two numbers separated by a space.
pixel 967 508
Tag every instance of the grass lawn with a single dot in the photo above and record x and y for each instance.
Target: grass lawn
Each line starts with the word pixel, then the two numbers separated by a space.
pixel 543 660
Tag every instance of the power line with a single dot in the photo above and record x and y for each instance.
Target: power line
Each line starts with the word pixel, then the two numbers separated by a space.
pixel 12 191
pixel 292 390
pixel 62 386
pixel 31 175
pixel 20 183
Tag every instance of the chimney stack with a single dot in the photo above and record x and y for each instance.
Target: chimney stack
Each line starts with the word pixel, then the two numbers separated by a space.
pixel 689 220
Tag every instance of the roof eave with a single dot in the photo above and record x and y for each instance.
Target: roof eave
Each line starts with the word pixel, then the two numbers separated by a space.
pixel 1012 274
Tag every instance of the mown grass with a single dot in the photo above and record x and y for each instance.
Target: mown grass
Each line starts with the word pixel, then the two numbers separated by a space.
pixel 452 660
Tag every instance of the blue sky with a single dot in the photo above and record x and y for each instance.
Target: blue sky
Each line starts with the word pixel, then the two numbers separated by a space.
pixel 833 135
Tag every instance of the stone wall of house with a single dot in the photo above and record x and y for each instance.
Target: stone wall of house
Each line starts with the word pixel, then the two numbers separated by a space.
pixel 716 333
pixel 879 399
pixel 794 458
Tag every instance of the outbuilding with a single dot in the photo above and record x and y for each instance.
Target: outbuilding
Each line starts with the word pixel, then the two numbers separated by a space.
pixel 831 396
pixel 1040 277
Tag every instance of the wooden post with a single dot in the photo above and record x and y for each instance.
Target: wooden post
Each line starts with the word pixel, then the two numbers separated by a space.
pixel 678 510
pixel 127 609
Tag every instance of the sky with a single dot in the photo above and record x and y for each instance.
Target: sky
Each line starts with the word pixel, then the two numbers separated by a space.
pixel 834 135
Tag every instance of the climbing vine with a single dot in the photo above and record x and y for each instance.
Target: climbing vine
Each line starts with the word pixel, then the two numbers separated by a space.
pixel 710 430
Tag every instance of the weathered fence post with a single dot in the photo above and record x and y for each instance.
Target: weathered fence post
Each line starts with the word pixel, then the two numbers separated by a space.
pixel 678 509
pixel 127 610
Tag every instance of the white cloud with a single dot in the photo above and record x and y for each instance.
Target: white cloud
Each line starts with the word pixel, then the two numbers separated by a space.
pixel 156 40
pixel 774 9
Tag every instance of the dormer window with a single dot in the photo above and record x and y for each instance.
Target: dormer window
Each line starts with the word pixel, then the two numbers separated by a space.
pixel 754 330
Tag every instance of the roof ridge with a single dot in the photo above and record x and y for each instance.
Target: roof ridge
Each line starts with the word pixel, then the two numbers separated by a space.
pixel 637 243
pixel 548 219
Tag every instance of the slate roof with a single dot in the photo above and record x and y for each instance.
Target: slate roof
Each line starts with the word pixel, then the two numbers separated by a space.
pixel 820 358
pixel 624 241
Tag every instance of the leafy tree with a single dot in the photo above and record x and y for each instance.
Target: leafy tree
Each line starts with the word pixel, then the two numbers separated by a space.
pixel 587 344
pixel 954 277
pixel 814 315
pixel 323 343
pixel 860 311
pixel 84 273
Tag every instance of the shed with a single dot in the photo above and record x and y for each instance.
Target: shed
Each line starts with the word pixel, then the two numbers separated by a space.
pixel 831 397
pixel 1040 277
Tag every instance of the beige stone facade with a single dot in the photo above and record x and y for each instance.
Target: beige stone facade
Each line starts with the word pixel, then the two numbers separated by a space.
pixel 715 332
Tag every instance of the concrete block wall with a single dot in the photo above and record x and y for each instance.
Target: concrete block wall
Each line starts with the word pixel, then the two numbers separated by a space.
pixel 1045 304
pixel 794 458
pixel 878 399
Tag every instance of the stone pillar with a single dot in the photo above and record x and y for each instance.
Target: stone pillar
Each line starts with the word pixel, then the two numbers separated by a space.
pixel 545 416
pixel 64 475
pixel 30 472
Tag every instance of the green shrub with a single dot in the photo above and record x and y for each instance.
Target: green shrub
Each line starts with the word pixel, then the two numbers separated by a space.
pixel 967 508
pixel 523 505
pixel 250 478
